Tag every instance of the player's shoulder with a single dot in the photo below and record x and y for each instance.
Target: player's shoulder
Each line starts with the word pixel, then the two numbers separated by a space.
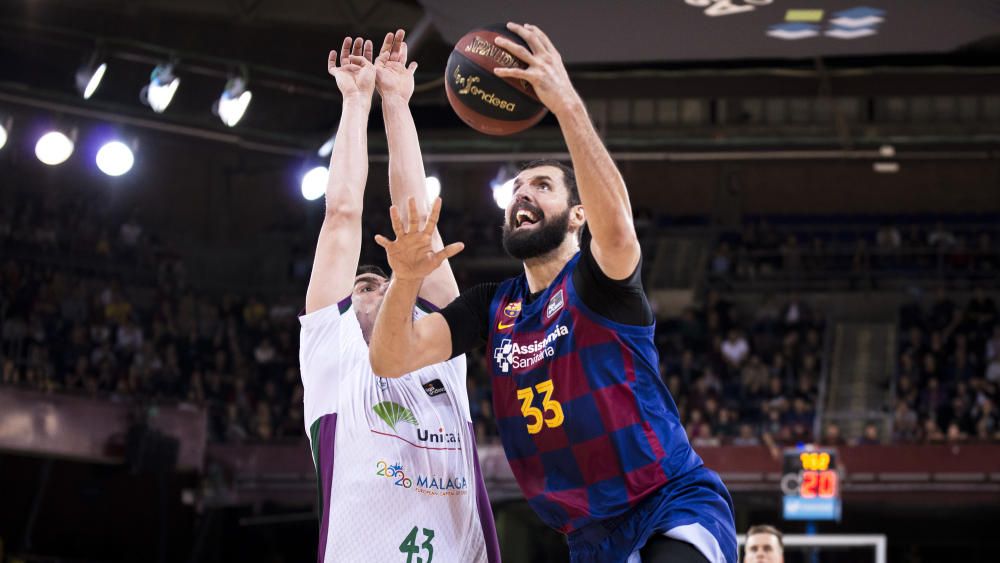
pixel 331 315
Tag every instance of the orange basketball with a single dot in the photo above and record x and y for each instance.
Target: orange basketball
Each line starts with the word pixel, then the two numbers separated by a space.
pixel 484 101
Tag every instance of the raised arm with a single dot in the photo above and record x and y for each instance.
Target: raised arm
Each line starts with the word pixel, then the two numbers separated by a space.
pixel 399 344
pixel 615 245
pixel 394 81
pixel 339 245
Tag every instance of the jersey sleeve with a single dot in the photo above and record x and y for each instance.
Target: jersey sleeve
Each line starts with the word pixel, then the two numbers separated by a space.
pixel 468 318
pixel 331 351
pixel 622 301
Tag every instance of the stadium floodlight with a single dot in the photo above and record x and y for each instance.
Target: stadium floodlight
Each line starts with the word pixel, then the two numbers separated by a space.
pixel 162 86
pixel 326 149
pixel 314 183
pixel 433 187
pixel 53 148
pixel 502 192
pixel 115 158
pixel 88 78
pixel 4 132
pixel 233 102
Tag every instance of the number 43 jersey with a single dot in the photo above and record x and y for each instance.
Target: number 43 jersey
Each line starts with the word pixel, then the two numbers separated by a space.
pixel 586 423
pixel 399 477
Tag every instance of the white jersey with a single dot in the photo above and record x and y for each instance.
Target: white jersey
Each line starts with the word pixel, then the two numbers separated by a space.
pixel 398 471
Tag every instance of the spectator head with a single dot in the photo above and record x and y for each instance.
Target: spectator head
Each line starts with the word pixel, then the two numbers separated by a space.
pixel 832 434
pixel 871 433
pixel 955 433
pixel 764 544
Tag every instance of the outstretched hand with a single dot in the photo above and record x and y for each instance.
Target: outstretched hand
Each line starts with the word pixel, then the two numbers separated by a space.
pixel 356 73
pixel 411 255
pixel 546 72
pixel 393 77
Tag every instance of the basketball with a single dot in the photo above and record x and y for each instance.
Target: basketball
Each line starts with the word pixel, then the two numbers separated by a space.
pixel 487 103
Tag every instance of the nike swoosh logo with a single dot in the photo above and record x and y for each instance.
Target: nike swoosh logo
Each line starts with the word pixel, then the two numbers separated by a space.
pixel 501 326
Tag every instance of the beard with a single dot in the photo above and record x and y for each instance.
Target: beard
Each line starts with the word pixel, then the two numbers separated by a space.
pixel 537 242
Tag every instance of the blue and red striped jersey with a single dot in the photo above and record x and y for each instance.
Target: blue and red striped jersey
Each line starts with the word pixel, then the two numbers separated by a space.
pixel 586 422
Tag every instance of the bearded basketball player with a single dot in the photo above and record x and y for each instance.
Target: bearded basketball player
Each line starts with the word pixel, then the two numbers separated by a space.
pixel 396 460
pixel 590 431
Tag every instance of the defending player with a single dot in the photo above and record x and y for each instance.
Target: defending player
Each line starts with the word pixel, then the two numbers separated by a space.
pixel 591 432
pixel 398 473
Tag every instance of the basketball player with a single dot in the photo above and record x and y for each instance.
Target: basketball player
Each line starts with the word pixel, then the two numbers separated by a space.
pixel 764 545
pixel 591 433
pixel 398 472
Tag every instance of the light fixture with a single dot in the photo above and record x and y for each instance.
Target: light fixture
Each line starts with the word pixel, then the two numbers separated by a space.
pixel 502 192
pixel 53 148
pixel 115 158
pixel 314 183
pixel 433 186
pixel 88 78
pixel 326 149
pixel 233 102
pixel 502 185
pixel 4 132
pixel 886 167
pixel 162 86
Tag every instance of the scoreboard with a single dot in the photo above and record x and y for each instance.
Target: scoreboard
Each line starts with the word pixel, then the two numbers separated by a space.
pixel 810 484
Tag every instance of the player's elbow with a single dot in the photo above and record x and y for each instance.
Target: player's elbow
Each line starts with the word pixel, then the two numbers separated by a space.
pixel 339 211
pixel 384 365
pixel 619 239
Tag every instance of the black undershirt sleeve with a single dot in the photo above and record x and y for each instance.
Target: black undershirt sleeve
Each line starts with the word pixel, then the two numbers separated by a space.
pixel 622 301
pixel 468 317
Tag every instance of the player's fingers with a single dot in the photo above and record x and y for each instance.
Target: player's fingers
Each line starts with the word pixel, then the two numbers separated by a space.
pixel 345 50
pixel 529 35
pixel 546 42
pixel 413 67
pixel 402 52
pixel 414 221
pixel 368 49
pixel 358 44
pixel 386 44
pixel 397 43
pixel 397 221
pixel 432 218
pixel 383 242
pixel 450 250
pixel 331 61
pixel 516 49
pixel 518 73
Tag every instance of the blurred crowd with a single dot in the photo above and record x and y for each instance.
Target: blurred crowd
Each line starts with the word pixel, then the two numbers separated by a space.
pixel 744 377
pixel 108 312
pixel 947 382
pixel 861 253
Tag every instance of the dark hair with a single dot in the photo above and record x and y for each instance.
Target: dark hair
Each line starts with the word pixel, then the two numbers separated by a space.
pixel 766 529
pixel 371 269
pixel 569 177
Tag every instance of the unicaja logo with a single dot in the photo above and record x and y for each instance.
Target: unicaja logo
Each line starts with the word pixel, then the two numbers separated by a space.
pixel 394 413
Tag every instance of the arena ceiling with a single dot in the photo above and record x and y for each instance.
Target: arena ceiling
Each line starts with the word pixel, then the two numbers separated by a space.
pixel 617 50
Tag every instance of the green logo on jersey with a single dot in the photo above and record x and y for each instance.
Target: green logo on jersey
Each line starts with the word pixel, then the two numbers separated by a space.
pixel 392 413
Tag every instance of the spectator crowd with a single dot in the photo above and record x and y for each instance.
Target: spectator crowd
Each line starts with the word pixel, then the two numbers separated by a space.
pixel 109 313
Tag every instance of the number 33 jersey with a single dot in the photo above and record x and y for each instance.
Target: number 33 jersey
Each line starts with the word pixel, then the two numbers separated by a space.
pixel 586 423
pixel 396 459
